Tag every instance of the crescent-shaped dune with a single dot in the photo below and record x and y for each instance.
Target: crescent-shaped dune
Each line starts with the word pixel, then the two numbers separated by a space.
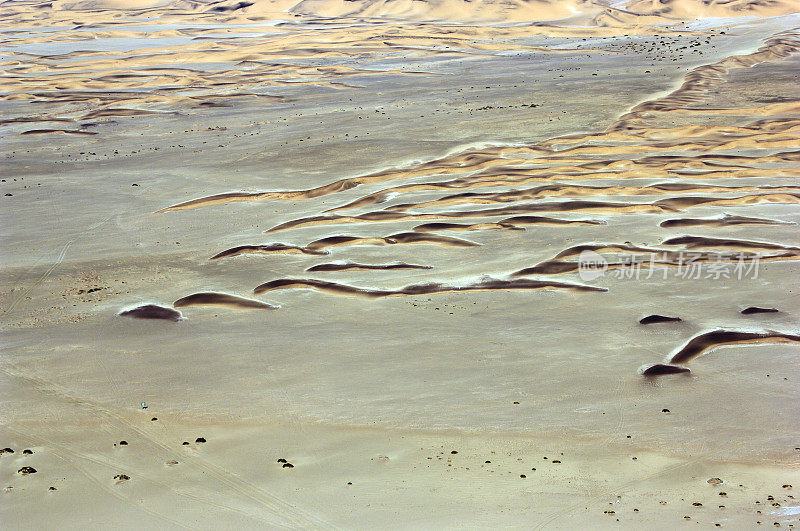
pixel 225 300
pixel 706 341
pixel 152 311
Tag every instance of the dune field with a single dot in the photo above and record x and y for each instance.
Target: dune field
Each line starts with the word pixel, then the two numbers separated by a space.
pixel 400 264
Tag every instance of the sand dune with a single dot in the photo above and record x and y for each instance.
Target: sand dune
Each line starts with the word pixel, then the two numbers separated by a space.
pixel 152 311
pixel 425 227
pixel 421 289
pixel 701 343
pixel 355 266
pixel 721 221
pixel 279 248
pixel 655 318
pixel 661 369
pixel 403 237
pixel 757 309
pixel 221 299
pixel 620 119
pixel 701 242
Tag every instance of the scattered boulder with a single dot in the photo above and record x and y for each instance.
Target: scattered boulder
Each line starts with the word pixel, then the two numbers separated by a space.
pixel 26 470
pixel 714 481
pixel 200 440
pixel 27 451
pixel 122 477
pixel 288 465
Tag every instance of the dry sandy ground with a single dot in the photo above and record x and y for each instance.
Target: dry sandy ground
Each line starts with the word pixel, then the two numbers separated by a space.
pixel 354 231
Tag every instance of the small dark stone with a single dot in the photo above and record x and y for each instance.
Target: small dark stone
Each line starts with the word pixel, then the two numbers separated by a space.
pixel 453 452
pixel 52 488
pixel 523 476
pixel 154 419
pixel 26 470
pixel 288 465
pixel 186 443
pixel 556 461
pixel 349 482
pixel 123 443
pixel 122 477
pixel 27 452
pixel 10 451
pixel 487 462
pixel 665 410
pixel 200 440
pixel 697 504
pixel 282 460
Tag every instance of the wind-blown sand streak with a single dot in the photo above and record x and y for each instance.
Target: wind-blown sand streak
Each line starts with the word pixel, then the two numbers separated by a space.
pixel 222 299
pixel 421 289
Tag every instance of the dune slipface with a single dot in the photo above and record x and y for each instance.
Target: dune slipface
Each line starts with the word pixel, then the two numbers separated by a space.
pixel 661 369
pixel 467 163
pixel 422 289
pixel 351 266
pixel 221 299
pixel 701 343
pixel 277 248
pixel 152 311
pixel 655 318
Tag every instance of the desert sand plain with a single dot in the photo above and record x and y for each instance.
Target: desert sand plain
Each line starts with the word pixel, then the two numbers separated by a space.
pixel 354 230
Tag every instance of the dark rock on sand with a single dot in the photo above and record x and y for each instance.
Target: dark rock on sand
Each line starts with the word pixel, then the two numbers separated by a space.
pixel 26 470
pixel 282 460
pixel 660 369
pixel 655 318
pixel 200 440
pixel 152 311
pixel 123 443
pixel 6 451
pixel 122 477
pixel 288 465
pixel 27 452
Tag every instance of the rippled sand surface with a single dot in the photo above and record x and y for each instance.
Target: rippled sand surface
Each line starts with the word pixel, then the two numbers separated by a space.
pixel 352 237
